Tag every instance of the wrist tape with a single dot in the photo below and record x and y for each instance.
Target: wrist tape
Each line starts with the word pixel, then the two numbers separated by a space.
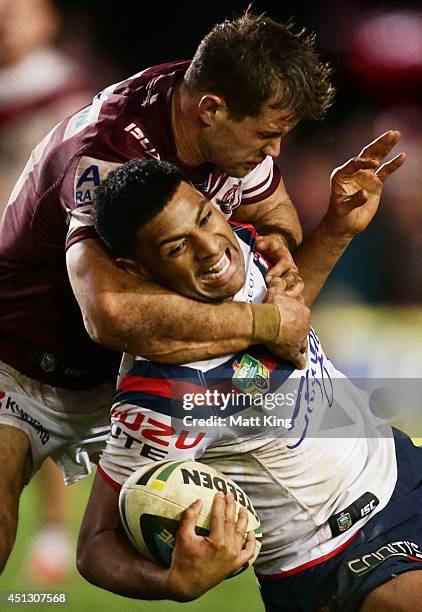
pixel 266 323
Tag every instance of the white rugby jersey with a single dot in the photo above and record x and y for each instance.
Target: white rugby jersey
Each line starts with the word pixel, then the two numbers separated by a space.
pixel 302 444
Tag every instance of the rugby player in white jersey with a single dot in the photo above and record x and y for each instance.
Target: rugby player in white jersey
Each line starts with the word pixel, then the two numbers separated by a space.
pixel 340 515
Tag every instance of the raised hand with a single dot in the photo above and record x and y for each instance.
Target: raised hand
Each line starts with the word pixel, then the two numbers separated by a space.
pixel 356 186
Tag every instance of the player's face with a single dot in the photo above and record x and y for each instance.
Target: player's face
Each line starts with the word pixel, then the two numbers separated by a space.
pixel 189 247
pixel 238 146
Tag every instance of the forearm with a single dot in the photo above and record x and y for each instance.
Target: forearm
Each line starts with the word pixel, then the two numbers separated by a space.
pixel 284 221
pixel 106 558
pixel 317 256
pixel 173 329
pixel 279 217
pixel 129 314
pixel 110 562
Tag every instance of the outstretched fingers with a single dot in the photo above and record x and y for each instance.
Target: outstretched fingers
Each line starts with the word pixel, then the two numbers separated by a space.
pixel 241 523
pixel 391 166
pixel 218 517
pixel 381 146
pixel 354 165
pixel 248 549
pixel 247 539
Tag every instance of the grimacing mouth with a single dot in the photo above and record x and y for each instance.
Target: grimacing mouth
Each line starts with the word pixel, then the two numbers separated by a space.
pixel 222 271
pixel 218 269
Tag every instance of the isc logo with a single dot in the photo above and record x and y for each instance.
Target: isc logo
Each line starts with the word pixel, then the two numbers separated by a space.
pixel 368 508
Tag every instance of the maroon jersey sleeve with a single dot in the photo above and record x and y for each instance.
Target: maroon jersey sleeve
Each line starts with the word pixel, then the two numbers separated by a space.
pixel 77 195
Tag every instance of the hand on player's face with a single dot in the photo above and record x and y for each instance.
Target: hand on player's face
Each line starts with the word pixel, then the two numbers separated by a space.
pixel 189 247
pixel 356 186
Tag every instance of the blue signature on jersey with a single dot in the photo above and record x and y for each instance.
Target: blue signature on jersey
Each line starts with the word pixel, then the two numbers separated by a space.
pixel 315 389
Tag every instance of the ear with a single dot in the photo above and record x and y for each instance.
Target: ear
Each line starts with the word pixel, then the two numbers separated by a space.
pixel 211 107
pixel 131 267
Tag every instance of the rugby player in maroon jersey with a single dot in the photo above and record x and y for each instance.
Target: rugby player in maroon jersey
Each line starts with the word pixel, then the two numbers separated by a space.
pixel 222 119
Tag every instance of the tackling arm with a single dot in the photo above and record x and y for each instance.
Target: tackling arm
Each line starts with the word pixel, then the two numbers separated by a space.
pixel 274 215
pixel 142 318
pixel 105 556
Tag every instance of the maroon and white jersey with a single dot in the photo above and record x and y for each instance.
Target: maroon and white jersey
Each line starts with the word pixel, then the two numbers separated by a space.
pixel 41 329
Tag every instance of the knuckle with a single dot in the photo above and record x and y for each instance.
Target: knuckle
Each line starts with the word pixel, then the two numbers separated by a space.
pixel 189 515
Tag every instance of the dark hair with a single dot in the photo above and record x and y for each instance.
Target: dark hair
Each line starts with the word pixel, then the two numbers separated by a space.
pixel 252 60
pixel 130 197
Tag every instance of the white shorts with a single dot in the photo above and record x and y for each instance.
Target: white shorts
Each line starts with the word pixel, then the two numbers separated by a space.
pixel 71 427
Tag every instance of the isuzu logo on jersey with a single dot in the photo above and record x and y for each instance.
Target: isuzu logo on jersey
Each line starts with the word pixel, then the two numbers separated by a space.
pixel 139 431
pixel 137 133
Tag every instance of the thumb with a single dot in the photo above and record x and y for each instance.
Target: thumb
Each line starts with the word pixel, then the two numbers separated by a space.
pixel 355 200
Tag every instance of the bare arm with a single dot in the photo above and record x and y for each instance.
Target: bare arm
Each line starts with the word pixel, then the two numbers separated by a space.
pixel 107 559
pixel 356 189
pixel 105 556
pixel 275 215
pixel 142 318
pixel 280 233
pixel 316 258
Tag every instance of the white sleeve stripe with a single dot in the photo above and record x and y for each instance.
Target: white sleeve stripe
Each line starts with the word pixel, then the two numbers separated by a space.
pixel 262 185
pixel 253 192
